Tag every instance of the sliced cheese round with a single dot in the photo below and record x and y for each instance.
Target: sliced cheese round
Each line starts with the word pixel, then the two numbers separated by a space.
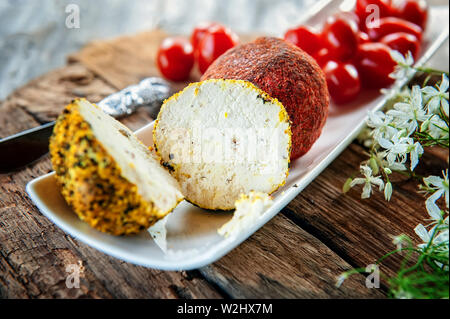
pixel 222 138
pixel 108 177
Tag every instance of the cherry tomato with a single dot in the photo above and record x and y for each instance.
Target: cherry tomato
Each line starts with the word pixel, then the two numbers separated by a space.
pixel 374 64
pixel 365 10
pixel 415 11
pixel 305 38
pixel 402 42
pixel 363 37
pixel 392 25
pixel 343 81
pixel 347 15
pixel 199 31
pixel 322 57
pixel 214 43
pixel 175 58
pixel 340 35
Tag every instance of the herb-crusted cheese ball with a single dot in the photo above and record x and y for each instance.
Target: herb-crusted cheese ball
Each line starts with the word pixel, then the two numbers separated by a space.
pixel 222 138
pixel 109 178
pixel 286 73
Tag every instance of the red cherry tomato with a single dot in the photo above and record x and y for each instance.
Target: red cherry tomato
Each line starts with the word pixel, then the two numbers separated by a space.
pixel 363 37
pixel 322 57
pixel 350 15
pixel 366 11
pixel 340 35
pixel 374 64
pixel 393 25
pixel 402 42
pixel 305 38
pixel 215 42
pixel 175 58
pixel 199 31
pixel 343 81
pixel 415 11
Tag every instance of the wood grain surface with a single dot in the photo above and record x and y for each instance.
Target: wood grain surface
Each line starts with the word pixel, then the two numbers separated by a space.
pixel 298 254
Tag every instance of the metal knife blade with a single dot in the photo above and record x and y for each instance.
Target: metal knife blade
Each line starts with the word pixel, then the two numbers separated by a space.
pixel 21 149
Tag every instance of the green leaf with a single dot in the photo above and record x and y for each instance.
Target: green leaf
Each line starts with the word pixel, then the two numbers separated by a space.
pixel 347 186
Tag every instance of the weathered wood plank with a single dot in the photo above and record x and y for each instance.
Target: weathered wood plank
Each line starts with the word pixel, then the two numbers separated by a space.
pixel 14 120
pixel 45 97
pixel 282 260
pixel 125 60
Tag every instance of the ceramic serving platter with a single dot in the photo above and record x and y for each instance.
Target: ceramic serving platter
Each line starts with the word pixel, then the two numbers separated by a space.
pixel 192 240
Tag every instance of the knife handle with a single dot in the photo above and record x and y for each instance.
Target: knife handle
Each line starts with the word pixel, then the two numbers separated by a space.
pixel 32 147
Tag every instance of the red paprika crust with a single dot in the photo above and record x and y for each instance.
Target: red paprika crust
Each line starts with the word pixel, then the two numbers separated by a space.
pixel 287 73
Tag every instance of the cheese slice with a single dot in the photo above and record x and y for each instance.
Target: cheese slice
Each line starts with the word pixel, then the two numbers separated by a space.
pixel 109 178
pixel 222 138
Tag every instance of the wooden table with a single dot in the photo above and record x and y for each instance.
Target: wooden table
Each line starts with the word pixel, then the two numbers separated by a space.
pixel 298 254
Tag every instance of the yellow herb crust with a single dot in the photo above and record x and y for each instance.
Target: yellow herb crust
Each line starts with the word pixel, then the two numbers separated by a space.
pixel 91 181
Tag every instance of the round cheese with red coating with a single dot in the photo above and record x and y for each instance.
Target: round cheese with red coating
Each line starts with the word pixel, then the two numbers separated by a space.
pixel 286 73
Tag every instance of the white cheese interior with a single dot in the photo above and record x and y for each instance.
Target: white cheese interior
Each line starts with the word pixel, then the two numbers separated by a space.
pixel 222 138
pixel 138 164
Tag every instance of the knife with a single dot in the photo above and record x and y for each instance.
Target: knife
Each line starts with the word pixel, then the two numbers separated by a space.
pixel 21 149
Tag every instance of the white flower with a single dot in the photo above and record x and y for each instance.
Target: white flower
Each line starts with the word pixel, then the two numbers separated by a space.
pixel 415 150
pixel 422 232
pixel 388 191
pixel 403 69
pixel 441 237
pixel 365 137
pixel 381 125
pixel 440 187
pixel 437 98
pixel 368 180
pixel 408 115
pixel 396 149
pixel 398 241
pixel 437 128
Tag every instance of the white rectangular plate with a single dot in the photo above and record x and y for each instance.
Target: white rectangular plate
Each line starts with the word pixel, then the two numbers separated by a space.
pixel 192 239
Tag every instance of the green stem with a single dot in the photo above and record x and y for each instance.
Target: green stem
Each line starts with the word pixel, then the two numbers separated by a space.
pixel 424 254
pixel 430 70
